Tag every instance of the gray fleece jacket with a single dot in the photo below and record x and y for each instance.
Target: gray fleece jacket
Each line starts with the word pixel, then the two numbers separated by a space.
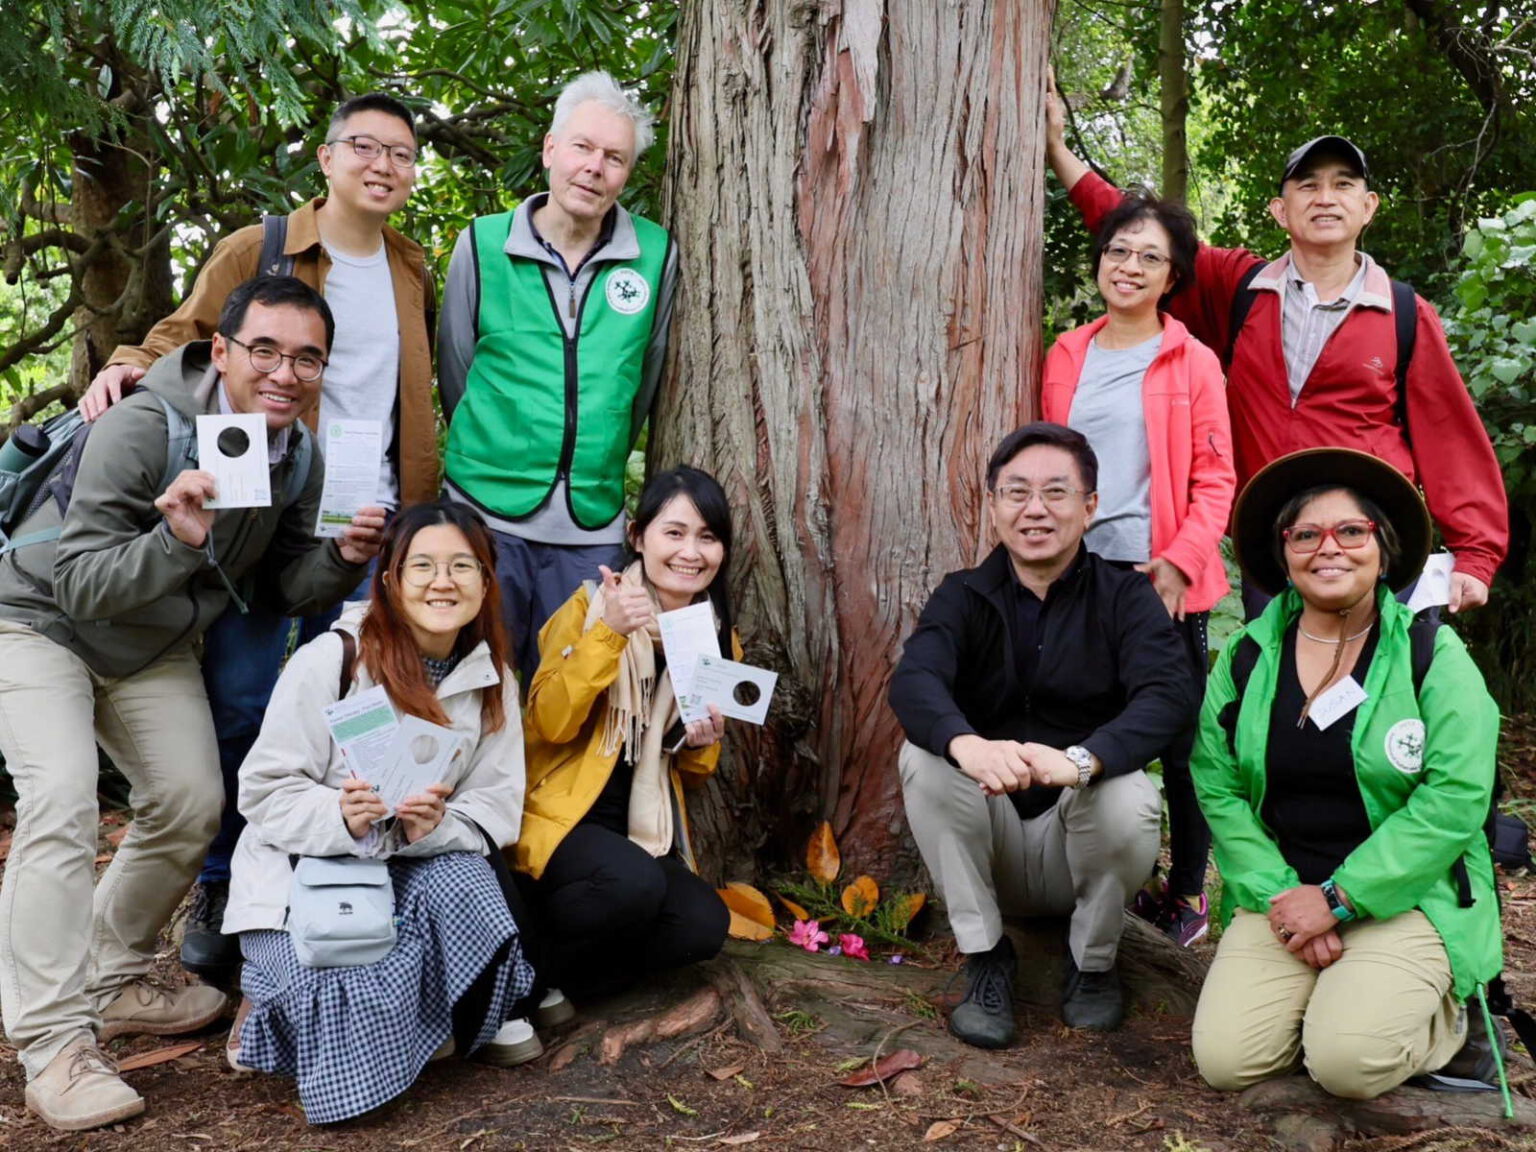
pixel 117 588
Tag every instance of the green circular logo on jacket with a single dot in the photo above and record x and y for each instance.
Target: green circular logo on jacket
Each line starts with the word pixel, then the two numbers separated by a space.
pixel 627 291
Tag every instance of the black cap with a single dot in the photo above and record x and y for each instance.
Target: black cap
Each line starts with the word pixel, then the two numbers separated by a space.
pixel 1333 144
pixel 1262 498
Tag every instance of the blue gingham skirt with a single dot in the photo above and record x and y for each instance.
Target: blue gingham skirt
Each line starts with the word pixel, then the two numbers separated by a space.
pixel 357 1037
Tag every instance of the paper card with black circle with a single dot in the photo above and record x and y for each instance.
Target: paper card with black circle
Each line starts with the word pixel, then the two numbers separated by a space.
pixel 234 450
pixel 740 691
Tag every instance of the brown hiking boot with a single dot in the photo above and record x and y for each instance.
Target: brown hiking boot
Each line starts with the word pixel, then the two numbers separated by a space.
pixel 81 1089
pixel 147 1007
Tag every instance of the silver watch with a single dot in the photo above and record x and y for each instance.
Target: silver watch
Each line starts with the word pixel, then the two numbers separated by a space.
pixel 1084 761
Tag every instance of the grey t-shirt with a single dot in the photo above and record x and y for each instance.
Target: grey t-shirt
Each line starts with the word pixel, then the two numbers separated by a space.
pixel 1107 409
pixel 363 377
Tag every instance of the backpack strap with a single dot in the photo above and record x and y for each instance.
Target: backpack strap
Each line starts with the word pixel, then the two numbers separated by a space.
pixel 303 460
pixel 348 661
pixel 180 441
pixel 1405 320
pixel 274 238
pixel 1244 657
pixel 1242 303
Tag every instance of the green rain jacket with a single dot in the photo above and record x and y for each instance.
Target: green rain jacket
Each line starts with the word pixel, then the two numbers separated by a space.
pixel 1425 767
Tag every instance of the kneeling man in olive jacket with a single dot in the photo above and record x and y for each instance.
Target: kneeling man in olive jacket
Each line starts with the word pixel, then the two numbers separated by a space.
pixel 99 629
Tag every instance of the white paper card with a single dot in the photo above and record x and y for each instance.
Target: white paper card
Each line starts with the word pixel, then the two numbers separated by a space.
pixel 1343 698
pixel 354 452
pixel 1434 586
pixel 420 755
pixel 687 634
pixel 740 691
pixel 364 728
pixel 234 449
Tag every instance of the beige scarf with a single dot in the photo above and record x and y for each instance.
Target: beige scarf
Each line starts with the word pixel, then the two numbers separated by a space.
pixel 638 713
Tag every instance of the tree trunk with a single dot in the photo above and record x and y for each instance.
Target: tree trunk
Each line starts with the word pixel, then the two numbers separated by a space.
pixel 1175 101
pixel 856 188
pixel 126 286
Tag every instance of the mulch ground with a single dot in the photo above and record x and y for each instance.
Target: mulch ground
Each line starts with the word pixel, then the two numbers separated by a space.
pixel 1134 1089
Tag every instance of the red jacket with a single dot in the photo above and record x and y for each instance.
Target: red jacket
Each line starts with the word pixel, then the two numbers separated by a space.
pixel 1348 400
pixel 1189 442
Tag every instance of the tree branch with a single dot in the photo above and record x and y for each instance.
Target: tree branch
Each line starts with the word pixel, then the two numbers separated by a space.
pixel 1467 50
pixel 29 406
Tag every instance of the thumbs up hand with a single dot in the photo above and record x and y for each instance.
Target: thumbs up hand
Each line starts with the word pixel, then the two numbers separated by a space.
pixel 626 607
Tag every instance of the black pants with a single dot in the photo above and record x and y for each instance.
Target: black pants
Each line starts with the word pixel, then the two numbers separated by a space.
pixel 610 912
pixel 1189 836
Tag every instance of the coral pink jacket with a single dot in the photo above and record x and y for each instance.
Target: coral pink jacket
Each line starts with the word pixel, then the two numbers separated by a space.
pixel 1189 440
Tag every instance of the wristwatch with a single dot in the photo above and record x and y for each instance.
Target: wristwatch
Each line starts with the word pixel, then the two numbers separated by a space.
pixel 1084 761
pixel 1342 912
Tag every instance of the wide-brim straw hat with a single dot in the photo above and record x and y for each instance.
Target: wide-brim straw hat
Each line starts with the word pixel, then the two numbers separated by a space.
pixel 1260 502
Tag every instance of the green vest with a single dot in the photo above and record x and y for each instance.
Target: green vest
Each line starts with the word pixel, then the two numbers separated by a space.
pixel 538 406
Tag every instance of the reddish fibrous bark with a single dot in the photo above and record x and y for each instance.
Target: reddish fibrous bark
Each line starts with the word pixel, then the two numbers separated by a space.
pixel 856 189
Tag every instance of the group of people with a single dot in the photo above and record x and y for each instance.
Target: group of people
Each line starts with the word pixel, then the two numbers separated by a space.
pixel 1342 761
pixel 1034 690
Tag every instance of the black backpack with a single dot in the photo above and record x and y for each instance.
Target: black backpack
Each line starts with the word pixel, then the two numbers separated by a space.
pixel 1507 836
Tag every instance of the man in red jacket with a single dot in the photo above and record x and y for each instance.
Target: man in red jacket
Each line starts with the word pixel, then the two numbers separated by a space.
pixel 1315 360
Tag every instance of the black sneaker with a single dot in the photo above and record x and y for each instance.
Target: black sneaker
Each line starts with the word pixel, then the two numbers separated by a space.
pixel 1474 1068
pixel 985 1017
pixel 205 950
pixel 1093 1000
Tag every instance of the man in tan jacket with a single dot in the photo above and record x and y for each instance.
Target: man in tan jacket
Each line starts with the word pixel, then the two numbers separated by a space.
pixel 376 284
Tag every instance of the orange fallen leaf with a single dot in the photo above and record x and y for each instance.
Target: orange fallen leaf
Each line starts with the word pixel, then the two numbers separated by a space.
pixel 821 855
pixel 901 1060
pixel 905 907
pixel 794 909
pixel 104 858
pixel 860 897
pixel 748 901
pixel 158 1056
pixel 116 838
pixel 744 929
pixel 727 1072
pixel 940 1129
pixel 5 846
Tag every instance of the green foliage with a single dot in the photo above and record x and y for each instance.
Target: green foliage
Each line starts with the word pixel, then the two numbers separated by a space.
pixel 1492 333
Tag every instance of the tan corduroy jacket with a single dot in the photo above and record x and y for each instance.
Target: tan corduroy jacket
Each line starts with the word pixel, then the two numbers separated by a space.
pixel 235 259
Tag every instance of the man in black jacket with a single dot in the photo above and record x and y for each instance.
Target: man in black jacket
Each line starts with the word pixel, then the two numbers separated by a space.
pixel 1034 690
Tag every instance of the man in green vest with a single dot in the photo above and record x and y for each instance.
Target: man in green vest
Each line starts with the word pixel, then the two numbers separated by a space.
pixel 552 339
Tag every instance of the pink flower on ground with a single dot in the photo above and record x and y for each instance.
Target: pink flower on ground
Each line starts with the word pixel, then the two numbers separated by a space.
pixel 808 935
pixel 853 946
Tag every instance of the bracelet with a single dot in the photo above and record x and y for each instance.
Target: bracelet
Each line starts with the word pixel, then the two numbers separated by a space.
pixel 1342 912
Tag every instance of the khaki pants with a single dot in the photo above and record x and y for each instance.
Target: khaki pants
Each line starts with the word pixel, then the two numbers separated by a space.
pixel 63 954
pixel 1381 1013
pixel 1084 858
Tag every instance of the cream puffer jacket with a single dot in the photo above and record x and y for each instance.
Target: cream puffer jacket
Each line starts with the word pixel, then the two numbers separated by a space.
pixel 290 784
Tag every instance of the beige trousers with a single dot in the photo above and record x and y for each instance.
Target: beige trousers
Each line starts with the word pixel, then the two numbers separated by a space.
pixel 65 949
pixel 1381 1013
pixel 1084 858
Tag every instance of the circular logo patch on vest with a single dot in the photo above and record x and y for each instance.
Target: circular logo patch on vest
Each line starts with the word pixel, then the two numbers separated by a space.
pixel 627 291
pixel 1404 745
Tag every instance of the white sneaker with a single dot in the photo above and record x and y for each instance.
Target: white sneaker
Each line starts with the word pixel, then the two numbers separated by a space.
pixel 515 1042
pixel 553 1010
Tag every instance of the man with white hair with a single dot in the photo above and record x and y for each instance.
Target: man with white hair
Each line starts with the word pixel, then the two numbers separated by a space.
pixel 553 335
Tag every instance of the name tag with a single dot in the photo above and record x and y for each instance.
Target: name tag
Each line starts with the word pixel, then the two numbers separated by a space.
pixel 1340 700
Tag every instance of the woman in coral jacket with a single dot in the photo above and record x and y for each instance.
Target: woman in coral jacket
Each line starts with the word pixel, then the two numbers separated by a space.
pixel 605 837
pixel 1151 400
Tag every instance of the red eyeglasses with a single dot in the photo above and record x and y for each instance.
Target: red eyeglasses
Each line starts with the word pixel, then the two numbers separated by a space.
pixel 1308 538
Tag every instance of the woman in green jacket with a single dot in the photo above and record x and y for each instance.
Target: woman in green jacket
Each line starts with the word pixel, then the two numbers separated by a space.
pixel 1346 804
